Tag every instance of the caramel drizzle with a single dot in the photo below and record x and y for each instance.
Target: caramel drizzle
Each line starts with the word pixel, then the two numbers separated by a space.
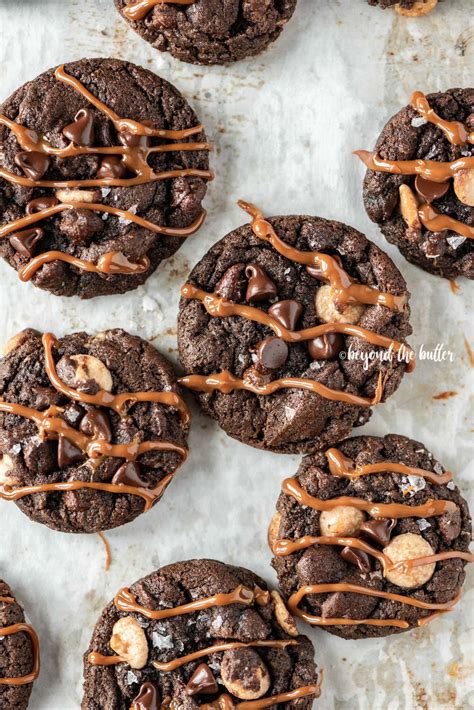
pixel 454 131
pixel 434 221
pixel 219 307
pixel 429 169
pixel 225 702
pixel 377 510
pixel 27 629
pixel 344 288
pixel 343 467
pixel 112 262
pixel 226 383
pixel 295 599
pixel 139 9
pixel 127 602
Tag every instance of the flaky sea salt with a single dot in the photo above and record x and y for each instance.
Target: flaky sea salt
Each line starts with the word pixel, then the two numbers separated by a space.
pixel 455 242
pixel 423 524
pixel 411 485
pixel 418 121
pixel 437 468
pixel 131 678
pixel 105 191
pixel 290 413
pixel 161 642
pixel 450 485
pixel 16 448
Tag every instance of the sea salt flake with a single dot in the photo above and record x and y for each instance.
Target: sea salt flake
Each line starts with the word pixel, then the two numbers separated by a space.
pixel 287 271
pixel 418 121
pixel 455 242
pixel 315 365
pixel 241 358
pixel 423 524
pixel 16 448
pixel 105 191
pixel 254 357
pixel 131 678
pixel 417 482
pixel 290 413
pixel 214 666
pixel 143 623
pixel 450 485
pixel 437 468
pixel 162 642
pixel 105 216
pixel 466 153
pixel 133 210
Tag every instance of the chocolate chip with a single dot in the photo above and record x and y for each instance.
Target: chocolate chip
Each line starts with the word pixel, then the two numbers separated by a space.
pixel 286 312
pixel 129 475
pixel 81 132
pixel 326 347
pixel 132 140
pixel 232 283
pixel 41 203
pixel 73 414
pixel 272 353
pixel 33 164
pixel 24 242
pixel 430 190
pixel 260 287
pixel 357 557
pixel 80 225
pixel 68 453
pixel 148 698
pixel 202 681
pixel 112 167
pixel 96 423
pixel 378 531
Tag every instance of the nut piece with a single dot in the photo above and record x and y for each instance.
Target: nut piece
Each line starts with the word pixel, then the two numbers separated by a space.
pixel 421 7
pixel 273 528
pixel 341 521
pixel 129 641
pixel 408 547
pixel 409 207
pixel 6 466
pixel 327 311
pixel 463 184
pixel 75 195
pixel 82 371
pixel 16 340
pixel 244 674
pixel 283 616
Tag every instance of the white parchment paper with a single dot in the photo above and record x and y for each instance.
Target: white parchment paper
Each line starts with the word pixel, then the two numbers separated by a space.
pixel 284 125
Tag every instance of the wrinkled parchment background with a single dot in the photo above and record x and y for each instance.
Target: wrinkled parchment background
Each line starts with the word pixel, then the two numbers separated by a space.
pixel 284 125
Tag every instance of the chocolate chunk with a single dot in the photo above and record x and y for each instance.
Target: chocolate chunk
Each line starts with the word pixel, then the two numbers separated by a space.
pixel 41 203
pixel 378 531
pixel 260 286
pixel 286 312
pixel 272 353
pixel 96 423
pixel 357 557
pixel 430 190
pixel 232 283
pixel 326 347
pixel 80 225
pixel 73 414
pixel 112 166
pixel 24 242
pixel 129 475
pixel 33 164
pixel 68 453
pixel 148 698
pixel 81 132
pixel 202 681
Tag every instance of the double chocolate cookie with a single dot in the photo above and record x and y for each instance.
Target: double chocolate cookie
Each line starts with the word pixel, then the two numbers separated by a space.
pixel 198 634
pixel 291 328
pixel 419 186
pixel 208 31
pixel 371 538
pixel 409 8
pixel 19 653
pixel 92 428
pixel 102 174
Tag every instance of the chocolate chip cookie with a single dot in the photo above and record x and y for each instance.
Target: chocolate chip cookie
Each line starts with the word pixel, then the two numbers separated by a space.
pixel 371 538
pixel 208 31
pixel 419 186
pixel 291 328
pixel 19 653
pixel 92 428
pixel 102 174
pixel 198 634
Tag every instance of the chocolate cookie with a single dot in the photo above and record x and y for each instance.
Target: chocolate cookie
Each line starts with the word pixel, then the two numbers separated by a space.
pixel 420 184
pixel 102 174
pixel 409 8
pixel 92 428
pixel 371 538
pixel 276 327
pixel 208 31
pixel 19 653
pixel 198 634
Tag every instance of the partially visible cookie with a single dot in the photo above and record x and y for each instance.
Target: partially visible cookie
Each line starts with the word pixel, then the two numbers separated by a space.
pixel 419 186
pixel 208 31
pixel 291 328
pixel 19 653
pixel 103 170
pixel 198 634
pixel 408 8
pixel 92 428
pixel 371 538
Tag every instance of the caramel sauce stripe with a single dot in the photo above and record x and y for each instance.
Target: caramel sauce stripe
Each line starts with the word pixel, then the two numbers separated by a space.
pixel 434 221
pixel 139 9
pixel 27 629
pixel 112 262
pixel 454 131
pixel 226 703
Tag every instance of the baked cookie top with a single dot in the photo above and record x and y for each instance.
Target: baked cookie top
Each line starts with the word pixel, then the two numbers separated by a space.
pixel 19 653
pixel 198 634
pixel 208 31
pixel 92 428
pixel 103 170
pixel 371 538
pixel 291 328
pixel 420 183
